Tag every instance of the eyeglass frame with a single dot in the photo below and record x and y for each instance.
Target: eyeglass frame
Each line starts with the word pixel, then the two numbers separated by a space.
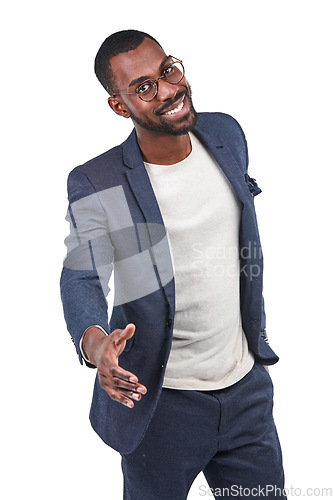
pixel 151 80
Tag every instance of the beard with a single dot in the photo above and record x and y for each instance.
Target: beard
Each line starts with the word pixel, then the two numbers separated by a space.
pixel 182 127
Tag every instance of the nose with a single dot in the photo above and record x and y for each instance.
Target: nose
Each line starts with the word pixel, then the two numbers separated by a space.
pixel 165 90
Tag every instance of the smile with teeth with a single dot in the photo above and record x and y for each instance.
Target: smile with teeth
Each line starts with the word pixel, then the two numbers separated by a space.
pixel 177 109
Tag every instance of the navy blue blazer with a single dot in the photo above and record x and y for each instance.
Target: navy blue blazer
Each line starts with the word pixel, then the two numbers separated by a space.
pixel 116 225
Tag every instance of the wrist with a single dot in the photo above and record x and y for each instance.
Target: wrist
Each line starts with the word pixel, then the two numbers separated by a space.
pixel 91 340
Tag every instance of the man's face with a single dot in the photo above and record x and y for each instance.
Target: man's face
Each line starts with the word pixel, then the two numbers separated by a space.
pixel 148 62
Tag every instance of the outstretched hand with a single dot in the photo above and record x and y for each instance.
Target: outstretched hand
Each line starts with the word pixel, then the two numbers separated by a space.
pixel 121 385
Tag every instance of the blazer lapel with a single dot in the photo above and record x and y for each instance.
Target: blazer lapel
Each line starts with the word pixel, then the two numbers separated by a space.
pixel 141 186
pixel 142 189
pixel 139 181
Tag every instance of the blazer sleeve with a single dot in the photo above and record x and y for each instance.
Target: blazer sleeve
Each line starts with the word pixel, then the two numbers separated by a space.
pixel 88 264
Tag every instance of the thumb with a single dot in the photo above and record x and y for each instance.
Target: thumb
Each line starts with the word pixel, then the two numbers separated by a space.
pixel 127 332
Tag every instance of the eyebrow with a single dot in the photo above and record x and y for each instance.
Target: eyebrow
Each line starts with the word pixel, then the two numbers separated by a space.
pixel 143 78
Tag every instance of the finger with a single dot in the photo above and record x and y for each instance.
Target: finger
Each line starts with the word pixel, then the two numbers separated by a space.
pixel 121 385
pixel 117 396
pixel 131 394
pixel 115 375
pixel 116 371
pixel 124 334
pixel 114 390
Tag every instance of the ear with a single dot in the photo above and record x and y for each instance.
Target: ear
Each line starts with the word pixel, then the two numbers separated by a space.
pixel 118 106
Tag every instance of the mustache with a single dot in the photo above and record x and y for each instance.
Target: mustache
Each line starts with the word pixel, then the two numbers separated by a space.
pixel 170 104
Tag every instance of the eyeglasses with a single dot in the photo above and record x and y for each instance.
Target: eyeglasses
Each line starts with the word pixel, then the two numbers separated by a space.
pixel 147 90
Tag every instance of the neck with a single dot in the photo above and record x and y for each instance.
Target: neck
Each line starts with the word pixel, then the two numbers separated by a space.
pixel 163 149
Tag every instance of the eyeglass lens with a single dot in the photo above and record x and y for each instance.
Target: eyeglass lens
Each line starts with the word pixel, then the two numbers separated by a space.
pixel 172 74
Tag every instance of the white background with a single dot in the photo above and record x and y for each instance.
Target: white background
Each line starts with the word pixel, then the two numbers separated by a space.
pixel 268 63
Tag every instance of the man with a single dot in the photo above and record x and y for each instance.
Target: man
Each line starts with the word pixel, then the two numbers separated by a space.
pixel 181 385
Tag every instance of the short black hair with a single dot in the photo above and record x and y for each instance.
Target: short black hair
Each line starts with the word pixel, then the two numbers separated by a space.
pixel 117 43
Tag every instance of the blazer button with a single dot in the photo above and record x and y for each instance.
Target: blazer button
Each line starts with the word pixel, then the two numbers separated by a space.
pixel 169 323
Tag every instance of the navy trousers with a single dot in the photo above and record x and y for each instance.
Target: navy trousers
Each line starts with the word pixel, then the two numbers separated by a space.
pixel 229 434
